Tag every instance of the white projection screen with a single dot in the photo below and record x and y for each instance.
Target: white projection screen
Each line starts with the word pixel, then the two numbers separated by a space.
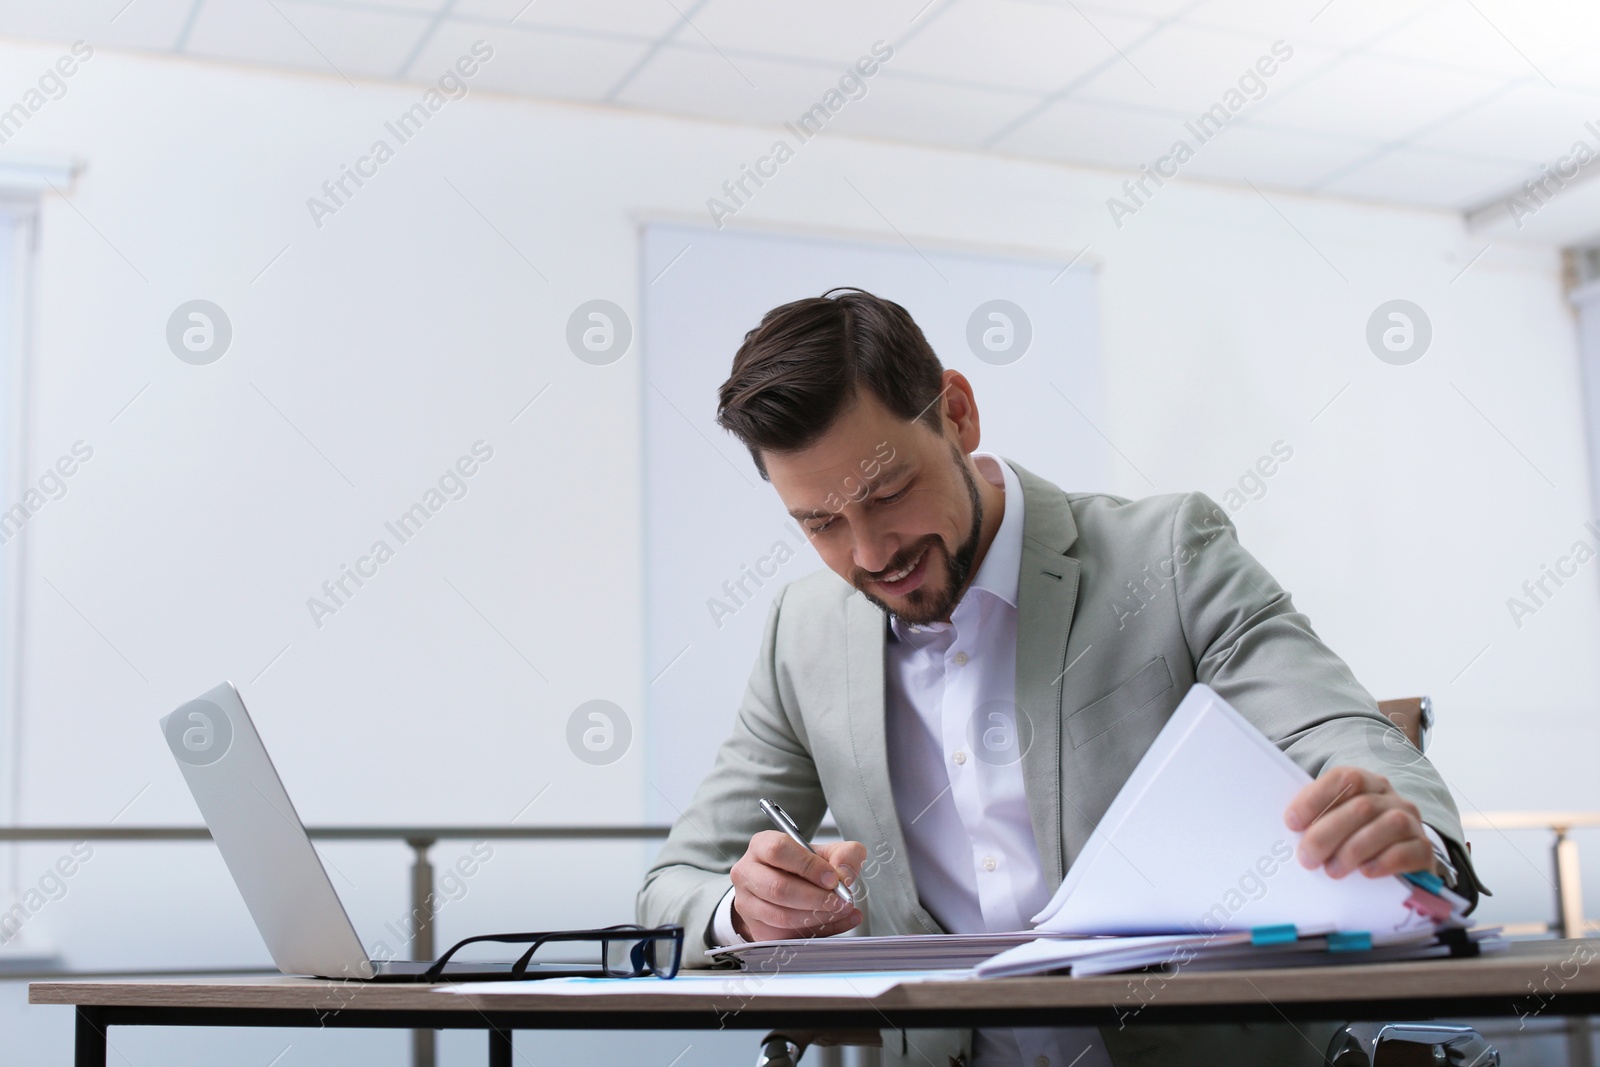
pixel 711 523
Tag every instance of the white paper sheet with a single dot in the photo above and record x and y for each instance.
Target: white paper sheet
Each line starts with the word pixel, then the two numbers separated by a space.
pixel 1195 842
pixel 723 983
pixel 1037 957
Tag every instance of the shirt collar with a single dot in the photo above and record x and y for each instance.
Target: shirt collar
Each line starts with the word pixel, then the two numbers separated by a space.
pixel 1000 571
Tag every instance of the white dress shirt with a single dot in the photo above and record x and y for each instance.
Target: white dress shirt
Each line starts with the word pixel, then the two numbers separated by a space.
pixel 955 766
pixel 952 732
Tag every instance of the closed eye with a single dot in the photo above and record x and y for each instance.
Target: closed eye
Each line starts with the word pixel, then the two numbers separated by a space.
pixel 892 497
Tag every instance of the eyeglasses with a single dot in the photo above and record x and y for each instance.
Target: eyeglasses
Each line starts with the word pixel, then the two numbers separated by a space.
pixel 626 951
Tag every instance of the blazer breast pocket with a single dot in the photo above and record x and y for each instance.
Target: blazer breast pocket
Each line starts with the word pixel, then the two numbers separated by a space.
pixel 1129 698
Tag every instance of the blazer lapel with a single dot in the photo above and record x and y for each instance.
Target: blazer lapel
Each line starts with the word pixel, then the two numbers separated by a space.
pixel 866 629
pixel 1047 594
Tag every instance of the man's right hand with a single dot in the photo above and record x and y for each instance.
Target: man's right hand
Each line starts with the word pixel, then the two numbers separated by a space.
pixel 782 890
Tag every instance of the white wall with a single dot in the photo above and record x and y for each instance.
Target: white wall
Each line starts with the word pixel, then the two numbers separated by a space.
pixel 408 327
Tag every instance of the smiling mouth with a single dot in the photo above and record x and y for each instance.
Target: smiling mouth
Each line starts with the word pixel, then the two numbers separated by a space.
pixel 898 575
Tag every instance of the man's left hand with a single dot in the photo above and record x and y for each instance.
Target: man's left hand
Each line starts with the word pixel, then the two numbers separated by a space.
pixel 1354 820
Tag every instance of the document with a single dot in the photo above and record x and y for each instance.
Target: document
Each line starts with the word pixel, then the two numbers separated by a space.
pixel 741 984
pixel 893 953
pixel 1195 843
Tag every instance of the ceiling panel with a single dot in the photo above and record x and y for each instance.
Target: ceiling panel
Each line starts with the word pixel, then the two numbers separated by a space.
pixel 1546 33
pixel 1095 133
pixel 1151 9
pixel 341 41
pixel 1283 158
pixel 833 31
pixel 1328 23
pixel 1581 72
pixel 1006 43
pixel 700 81
pixel 1529 122
pixel 428 7
pixel 557 66
pixel 1378 98
pixel 1188 70
pixel 142 24
pixel 951 116
pixel 1412 176
pixel 1457 36
pixel 636 18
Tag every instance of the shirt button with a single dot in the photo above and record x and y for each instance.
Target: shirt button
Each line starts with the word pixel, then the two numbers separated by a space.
pixel 960 658
pixel 988 863
pixel 1042 1061
pixel 960 756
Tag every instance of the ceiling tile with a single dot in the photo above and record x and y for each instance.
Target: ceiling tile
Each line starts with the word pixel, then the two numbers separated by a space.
pixel 143 24
pixel 335 41
pixel 1032 46
pixel 639 18
pixel 556 66
pixel 1188 70
pixel 1532 123
pixel 1081 132
pixel 428 7
pixel 1328 23
pixel 1458 37
pixel 695 80
pixel 1265 156
pixel 1579 72
pixel 1151 9
pixel 952 116
pixel 1376 98
pixel 833 31
pixel 1435 179
pixel 1547 32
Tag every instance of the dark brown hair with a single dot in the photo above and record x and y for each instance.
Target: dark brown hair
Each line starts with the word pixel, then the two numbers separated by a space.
pixel 798 371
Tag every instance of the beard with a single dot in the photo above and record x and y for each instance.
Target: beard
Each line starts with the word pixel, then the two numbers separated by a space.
pixel 922 606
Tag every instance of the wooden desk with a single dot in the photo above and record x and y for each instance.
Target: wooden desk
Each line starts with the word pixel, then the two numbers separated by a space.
pixel 1532 979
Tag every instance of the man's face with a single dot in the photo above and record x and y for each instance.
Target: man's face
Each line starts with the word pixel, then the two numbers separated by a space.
pixel 891 506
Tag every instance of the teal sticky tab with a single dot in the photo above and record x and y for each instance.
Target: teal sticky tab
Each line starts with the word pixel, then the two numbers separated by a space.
pixel 1273 935
pixel 1425 879
pixel 1349 941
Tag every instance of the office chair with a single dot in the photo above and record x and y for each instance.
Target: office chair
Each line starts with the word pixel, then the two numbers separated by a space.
pixel 783 1048
pixel 1405 1044
pixel 1356 1045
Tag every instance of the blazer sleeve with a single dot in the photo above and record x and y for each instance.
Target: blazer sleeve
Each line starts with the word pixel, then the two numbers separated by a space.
pixel 766 756
pixel 1250 644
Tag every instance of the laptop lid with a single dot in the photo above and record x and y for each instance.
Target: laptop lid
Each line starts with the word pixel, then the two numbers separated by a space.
pixel 262 839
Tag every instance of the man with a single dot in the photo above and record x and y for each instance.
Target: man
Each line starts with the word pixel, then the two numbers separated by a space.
pixel 967 595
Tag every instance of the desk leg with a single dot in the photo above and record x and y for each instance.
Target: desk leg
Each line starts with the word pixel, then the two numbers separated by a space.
pixel 499 1047
pixel 423 1044
pixel 1580 1046
pixel 89 1040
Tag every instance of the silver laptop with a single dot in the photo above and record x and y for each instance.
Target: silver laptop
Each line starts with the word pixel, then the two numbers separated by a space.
pixel 265 846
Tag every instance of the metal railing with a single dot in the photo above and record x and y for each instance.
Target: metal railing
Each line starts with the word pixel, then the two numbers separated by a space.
pixel 1569 919
pixel 421 840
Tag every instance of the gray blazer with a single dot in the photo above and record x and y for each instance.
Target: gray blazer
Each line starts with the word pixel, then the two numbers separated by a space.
pixel 1122 605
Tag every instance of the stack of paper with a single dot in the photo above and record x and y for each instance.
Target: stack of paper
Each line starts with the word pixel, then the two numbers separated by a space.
pixel 1263 947
pixel 1194 852
pixel 916 951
